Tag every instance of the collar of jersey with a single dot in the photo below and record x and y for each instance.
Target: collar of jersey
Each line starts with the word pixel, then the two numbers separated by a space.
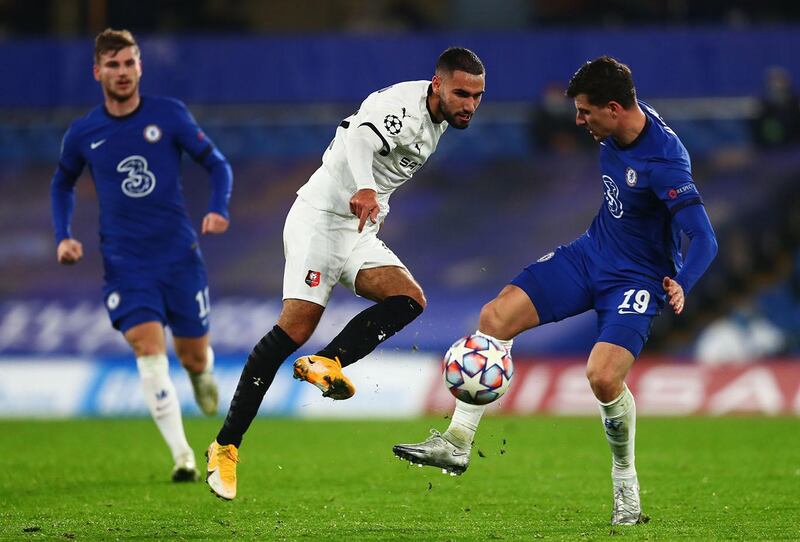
pixel 427 105
pixel 639 137
pixel 129 115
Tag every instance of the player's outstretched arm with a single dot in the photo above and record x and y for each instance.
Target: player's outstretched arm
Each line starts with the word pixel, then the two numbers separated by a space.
pixel 215 223
pixel 69 251
pixel 694 222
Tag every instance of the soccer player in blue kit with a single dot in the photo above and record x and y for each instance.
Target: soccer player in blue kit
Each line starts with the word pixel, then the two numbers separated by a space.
pixel 154 271
pixel 627 266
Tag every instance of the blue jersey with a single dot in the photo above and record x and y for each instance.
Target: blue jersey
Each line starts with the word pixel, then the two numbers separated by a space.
pixel 645 184
pixel 135 162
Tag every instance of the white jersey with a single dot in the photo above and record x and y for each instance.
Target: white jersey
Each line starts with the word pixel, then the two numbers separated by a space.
pixel 399 116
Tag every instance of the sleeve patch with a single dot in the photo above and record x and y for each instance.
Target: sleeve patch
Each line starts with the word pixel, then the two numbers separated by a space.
pixel 393 124
pixel 675 192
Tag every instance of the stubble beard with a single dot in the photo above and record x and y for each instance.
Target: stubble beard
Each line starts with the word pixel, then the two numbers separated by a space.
pixel 122 98
pixel 451 119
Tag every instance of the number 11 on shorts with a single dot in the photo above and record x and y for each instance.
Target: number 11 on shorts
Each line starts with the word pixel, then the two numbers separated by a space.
pixel 204 302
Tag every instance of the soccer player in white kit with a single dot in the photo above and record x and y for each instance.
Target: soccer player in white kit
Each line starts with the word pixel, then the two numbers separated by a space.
pixel 331 236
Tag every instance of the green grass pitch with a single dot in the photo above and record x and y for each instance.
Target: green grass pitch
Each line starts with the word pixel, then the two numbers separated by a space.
pixel 530 478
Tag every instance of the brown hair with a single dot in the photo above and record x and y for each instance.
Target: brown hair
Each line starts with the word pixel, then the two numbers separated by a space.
pixel 110 40
pixel 603 80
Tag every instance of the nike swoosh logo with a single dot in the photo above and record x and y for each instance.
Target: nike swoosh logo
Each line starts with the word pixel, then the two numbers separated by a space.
pixel 456 453
pixel 628 312
pixel 95 144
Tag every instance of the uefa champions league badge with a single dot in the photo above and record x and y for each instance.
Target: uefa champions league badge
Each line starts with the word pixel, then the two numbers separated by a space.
pixel 112 302
pixel 630 176
pixel 393 124
pixel 152 133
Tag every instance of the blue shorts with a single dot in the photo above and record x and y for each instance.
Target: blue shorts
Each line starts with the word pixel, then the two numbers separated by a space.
pixel 174 294
pixel 568 282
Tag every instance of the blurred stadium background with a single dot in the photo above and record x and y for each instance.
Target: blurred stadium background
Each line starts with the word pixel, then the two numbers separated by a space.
pixel 269 82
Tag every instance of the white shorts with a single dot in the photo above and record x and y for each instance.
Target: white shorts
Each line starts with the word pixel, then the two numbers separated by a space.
pixel 323 248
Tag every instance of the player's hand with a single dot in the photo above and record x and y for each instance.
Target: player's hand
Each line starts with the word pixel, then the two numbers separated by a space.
pixel 675 293
pixel 363 204
pixel 215 223
pixel 69 251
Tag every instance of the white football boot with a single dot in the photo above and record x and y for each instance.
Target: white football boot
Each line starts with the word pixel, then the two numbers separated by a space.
pixel 435 451
pixel 627 508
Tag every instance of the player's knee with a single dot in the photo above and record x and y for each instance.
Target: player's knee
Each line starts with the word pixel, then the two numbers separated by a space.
pixel 299 332
pixel 606 385
pixel 144 347
pixel 193 360
pixel 299 319
pixel 419 297
pixel 491 321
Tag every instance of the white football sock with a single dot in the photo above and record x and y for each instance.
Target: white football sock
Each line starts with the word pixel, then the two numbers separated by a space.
pixel 619 422
pixel 466 417
pixel 162 400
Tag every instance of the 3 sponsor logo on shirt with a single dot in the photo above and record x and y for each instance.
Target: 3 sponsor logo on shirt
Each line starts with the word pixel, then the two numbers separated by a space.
pixel 140 181
pixel 612 197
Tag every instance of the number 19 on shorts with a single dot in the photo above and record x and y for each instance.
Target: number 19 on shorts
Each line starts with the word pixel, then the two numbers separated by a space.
pixel 640 298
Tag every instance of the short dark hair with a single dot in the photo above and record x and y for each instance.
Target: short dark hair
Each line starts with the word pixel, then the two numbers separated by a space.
pixel 603 80
pixel 110 40
pixel 461 59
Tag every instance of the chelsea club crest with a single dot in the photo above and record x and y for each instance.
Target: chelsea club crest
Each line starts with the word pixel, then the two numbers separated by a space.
pixel 152 133
pixel 630 176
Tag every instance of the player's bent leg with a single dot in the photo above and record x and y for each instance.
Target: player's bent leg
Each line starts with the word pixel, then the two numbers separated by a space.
pixel 197 357
pixel 295 325
pixel 147 341
pixel 466 417
pixel 399 300
pixel 607 368
pixel 502 319
pixel 324 373
pixel 510 313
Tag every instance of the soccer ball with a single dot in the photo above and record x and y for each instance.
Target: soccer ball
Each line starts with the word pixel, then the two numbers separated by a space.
pixel 477 369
